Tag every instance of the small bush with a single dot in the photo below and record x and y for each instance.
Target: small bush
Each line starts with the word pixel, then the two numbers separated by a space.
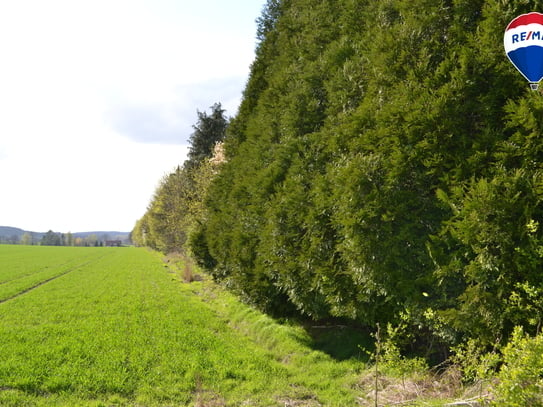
pixel 476 364
pixel 521 376
pixel 396 365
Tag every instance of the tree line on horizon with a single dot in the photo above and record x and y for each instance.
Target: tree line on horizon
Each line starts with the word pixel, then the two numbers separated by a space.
pixel 51 238
pixel 384 167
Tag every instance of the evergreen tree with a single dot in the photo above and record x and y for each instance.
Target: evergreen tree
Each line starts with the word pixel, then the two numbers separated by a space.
pixel 208 131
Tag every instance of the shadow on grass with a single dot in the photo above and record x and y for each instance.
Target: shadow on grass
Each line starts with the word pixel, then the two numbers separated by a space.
pixel 340 341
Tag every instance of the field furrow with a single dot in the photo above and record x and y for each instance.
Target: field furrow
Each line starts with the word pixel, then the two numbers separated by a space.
pixel 26 282
pixel 20 262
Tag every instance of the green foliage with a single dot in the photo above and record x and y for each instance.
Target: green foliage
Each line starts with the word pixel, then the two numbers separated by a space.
pixel 494 224
pixel 520 378
pixel 392 362
pixel 167 219
pixel 384 162
pixel 475 362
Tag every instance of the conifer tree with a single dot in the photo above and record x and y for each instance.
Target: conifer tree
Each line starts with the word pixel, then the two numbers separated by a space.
pixel 208 131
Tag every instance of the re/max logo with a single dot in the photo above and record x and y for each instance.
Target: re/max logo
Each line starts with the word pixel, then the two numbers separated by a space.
pixel 527 35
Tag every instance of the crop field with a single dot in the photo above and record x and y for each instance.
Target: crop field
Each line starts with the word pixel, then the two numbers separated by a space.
pixel 116 326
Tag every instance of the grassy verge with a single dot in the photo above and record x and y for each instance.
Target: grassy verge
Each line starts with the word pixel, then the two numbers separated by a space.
pixel 313 368
pixel 327 364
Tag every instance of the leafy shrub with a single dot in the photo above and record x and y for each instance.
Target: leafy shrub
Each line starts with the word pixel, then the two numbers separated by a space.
pixel 389 358
pixel 521 376
pixel 474 362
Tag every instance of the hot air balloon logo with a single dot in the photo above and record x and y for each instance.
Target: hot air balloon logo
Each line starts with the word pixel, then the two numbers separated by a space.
pixel 523 42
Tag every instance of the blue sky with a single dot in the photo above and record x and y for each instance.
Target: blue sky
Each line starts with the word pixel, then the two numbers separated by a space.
pixel 97 100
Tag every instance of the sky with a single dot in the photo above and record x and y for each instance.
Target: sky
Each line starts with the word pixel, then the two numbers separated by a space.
pixel 98 99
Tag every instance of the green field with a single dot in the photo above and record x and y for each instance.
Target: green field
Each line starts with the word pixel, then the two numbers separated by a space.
pixel 115 326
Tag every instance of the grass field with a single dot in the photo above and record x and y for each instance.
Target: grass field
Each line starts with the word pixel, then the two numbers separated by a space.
pixel 115 326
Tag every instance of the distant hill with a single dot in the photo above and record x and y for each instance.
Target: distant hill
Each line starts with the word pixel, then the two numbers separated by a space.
pixel 10 234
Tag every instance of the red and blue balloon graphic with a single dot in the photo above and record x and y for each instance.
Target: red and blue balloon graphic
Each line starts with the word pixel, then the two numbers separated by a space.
pixel 523 42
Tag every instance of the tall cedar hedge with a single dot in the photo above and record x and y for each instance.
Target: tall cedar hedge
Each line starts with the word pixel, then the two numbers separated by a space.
pixel 384 166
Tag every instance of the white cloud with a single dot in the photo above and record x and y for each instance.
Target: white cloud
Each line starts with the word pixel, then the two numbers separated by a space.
pixel 97 100
pixel 170 120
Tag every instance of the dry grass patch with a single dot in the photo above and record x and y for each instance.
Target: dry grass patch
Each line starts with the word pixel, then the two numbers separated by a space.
pixel 409 390
pixel 182 266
